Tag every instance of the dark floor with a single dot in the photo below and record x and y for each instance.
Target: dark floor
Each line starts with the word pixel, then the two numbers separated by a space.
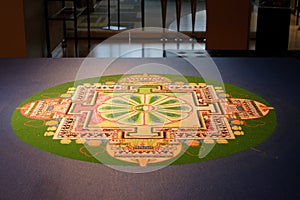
pixel 270 173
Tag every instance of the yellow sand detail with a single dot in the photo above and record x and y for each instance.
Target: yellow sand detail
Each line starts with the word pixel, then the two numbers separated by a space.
pixel 236 128
pixel 208 141
pixel 110 83
pixel 65 141
pixel 222 141
pixel 72 89
pixel 80 141
pixel 65 95
pixel 238 132
pixel 48 133
pixel 52 128
pixel 237 122
pixel 51 123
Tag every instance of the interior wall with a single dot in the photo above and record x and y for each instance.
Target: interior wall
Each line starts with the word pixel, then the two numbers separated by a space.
pixel 12 33
pixel 23 28
pixel 227 26
pixel 55 26
pixel 34 28
pixel 34 13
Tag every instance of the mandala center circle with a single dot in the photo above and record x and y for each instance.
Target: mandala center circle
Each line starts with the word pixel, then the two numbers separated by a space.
pixel 144 108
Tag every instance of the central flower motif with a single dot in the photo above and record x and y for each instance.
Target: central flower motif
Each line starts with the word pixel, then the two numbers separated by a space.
pixel 144 109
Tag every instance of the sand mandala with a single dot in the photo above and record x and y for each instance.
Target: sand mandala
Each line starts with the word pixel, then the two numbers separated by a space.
pixel 144 119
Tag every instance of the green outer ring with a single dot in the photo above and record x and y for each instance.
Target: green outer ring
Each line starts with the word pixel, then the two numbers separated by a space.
pixel 35 137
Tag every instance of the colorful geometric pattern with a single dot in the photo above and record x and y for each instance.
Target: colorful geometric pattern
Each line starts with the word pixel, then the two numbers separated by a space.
pixel 144 118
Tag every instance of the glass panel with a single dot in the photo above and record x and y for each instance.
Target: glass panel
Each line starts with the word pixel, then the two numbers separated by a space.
pixel 127 14
pixel 294 35
pixel 253 23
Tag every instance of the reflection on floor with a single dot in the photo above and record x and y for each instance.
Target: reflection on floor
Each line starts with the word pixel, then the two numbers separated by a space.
pixel 151 49
pixel 294 38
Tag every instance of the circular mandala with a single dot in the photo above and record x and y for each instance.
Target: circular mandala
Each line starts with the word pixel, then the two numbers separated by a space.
pixel 177 122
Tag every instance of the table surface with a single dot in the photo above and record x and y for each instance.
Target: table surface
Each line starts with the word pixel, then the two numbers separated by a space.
pixel 270 171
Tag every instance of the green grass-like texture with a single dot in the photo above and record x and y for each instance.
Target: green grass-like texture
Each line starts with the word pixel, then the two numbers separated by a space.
pixel 35 136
